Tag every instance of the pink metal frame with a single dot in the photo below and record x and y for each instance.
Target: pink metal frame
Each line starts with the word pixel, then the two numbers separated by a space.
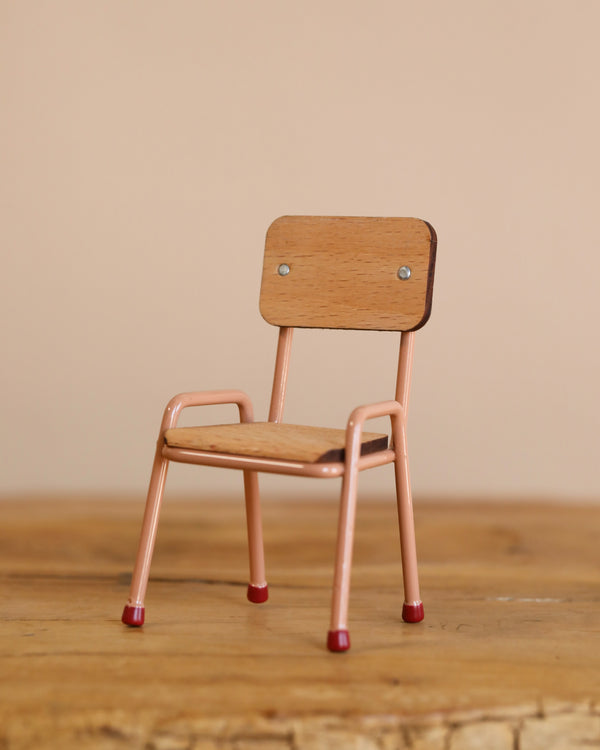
pixel 338 637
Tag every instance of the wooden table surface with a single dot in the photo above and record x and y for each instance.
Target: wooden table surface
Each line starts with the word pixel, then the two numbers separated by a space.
pixel 508 656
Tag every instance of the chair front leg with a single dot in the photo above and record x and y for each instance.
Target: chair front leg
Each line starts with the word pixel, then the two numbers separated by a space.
pixel 338 637
pixel 258 591
pixel 134 611
pixel 412 609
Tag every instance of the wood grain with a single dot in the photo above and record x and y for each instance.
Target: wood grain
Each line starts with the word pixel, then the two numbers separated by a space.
pixel 344 273
pixel 270 440
pixel 507 655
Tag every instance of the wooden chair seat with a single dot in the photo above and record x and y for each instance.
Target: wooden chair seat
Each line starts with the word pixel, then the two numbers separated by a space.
pixel 287 442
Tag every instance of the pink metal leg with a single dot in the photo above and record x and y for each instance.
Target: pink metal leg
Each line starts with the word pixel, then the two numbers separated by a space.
pixel 412 610
pixel 133 614
pixel 258 591
pixel 134 611
pixel 338 637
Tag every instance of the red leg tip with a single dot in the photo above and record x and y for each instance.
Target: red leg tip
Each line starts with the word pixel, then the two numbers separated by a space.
pixel 133 616
pixel 338 640
pixel 413 612
pixel 257 594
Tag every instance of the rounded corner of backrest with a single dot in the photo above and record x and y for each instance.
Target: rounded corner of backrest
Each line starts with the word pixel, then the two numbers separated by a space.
pixel 266 288
pixel 264 314
pixel 432 245
pixel 432 232
pixel 425 317
pixel 276 223
pixel 430 275
pixel 425 246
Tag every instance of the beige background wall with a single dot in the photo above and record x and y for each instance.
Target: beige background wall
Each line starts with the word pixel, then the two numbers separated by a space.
pixel 145 147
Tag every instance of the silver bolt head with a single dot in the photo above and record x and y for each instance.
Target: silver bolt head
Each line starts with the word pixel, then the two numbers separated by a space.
pixel 283 269
pixel 404 273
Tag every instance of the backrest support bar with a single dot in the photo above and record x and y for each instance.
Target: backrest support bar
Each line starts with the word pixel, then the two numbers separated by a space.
pixel 405 361
pixel 282 366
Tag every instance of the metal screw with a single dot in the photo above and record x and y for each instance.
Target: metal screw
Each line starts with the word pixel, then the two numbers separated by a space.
pixel 404 273
pixel 283 269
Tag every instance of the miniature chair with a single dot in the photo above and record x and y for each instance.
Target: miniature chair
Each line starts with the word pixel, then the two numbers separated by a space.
pixel 318 272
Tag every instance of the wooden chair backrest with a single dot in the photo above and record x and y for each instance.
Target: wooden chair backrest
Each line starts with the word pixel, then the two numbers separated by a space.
pixel 342 272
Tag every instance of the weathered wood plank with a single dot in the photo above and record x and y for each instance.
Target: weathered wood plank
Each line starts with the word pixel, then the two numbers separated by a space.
pixel 512 609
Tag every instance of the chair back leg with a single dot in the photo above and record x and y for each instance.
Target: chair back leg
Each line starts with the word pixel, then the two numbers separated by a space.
pixel 134 611
pixel 258 591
